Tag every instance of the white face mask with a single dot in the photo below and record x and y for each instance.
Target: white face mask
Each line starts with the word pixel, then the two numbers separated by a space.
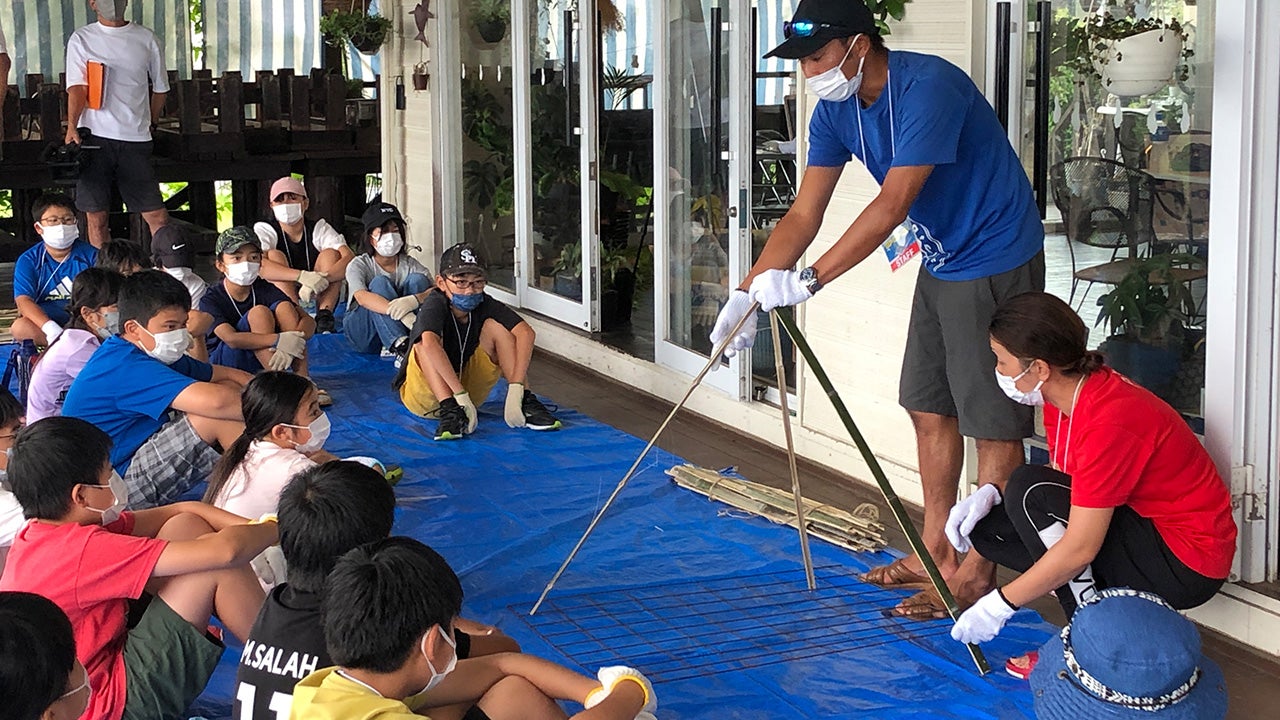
pixel 319 429
pixel 388 244
pixel 832 85
pixel 170 346
pixel 110 324
pixel 243 273
pixel 61 237
pixel 1010 388
pixel 119 497
pixel 178 273
pixel 289 214
pixel 438 677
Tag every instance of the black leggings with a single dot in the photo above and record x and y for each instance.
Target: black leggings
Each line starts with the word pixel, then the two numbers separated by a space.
pixel 1037 501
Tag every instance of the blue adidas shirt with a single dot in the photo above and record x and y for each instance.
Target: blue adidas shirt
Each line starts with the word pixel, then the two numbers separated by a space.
pixel 128 394
pixel 976 215
pixel 47 281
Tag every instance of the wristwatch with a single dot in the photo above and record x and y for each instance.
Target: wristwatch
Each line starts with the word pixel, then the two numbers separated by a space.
pixel 809 278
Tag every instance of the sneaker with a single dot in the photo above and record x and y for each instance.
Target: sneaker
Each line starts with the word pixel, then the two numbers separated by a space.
pixel 324 322
pixel 400 350
pixel 1021 666
pixel 536 415
pixel 453 420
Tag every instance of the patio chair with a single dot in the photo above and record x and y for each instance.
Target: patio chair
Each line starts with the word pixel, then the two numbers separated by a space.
pixel 1104 204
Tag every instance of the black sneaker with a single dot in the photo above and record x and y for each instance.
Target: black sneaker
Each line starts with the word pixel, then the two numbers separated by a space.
pixel 453 420
pixel 536 415
pixel 400 351
pixel 324 322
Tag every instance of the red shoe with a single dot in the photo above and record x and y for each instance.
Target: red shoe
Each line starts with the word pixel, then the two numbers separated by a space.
pixel 1021 666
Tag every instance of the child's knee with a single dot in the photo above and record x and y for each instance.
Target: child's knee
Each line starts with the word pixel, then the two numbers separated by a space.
pixel 261 314
pixel 184 526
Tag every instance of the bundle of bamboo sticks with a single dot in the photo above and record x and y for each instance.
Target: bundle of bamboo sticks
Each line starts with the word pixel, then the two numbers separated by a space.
pixel 859 530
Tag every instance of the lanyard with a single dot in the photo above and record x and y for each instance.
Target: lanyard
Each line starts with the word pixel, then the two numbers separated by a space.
pixel 893 141
pixel 365 685
pixel 462 339
pixel 44 255
pixel 253 300
pixel 1057 433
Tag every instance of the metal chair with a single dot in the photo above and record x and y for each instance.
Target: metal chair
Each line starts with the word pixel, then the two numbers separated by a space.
pixel 1104 204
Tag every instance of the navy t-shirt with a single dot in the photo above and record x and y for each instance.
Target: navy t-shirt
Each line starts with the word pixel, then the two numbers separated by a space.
pixel 128 394
pixel 226 310
pixel 976 215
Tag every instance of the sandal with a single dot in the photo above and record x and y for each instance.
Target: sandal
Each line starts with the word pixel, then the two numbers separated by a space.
pixel 896 575
pixel 1021 666
pixel 924 605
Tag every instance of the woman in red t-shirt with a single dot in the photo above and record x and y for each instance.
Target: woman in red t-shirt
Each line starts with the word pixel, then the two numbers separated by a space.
pixel 1130 498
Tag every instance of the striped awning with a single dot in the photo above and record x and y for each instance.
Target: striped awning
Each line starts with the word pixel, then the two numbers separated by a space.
pixel 270 35
pixel 38 31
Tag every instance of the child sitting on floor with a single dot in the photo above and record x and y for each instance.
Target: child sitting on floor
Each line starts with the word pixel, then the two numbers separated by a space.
pixel 12 418
pixel 40 677
pixel 123 256
pixel 81 549
pixel 164 411
pixel 249 323
pixel 389 614
pixel 94 318
pixel 284 434
pixel 386 286
pixel 43 274
pixel 462 342
pixel 324 512
pixel 172 252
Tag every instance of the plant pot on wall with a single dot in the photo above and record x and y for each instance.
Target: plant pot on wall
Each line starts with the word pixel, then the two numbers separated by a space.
pixel 1141 64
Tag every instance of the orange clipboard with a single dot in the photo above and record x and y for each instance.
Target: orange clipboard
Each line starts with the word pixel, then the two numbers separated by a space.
pixel 96 73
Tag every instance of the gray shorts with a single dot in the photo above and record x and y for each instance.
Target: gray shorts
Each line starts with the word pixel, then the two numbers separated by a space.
pixel 126 165
pixel 168 464
pixel 948 368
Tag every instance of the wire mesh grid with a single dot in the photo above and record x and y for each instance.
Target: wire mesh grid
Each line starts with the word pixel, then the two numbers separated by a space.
pixel 684 630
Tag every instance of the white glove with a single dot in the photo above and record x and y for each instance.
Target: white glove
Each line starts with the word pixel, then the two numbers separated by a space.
pixel 464 399
pixel 966 514
pixel 778 288
pixel 270 566
pixel 292 343
pixel 402 306
pixel 313 282
pixel 983 621
pixel 737 306
pixel 610 677
pixel 514 410
pixel 51 331
pixel 410 320
pixel 279 361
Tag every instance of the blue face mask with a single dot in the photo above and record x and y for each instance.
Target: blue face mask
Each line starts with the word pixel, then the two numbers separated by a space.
pixel 467 303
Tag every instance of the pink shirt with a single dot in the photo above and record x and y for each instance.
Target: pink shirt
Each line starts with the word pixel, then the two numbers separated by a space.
pixel 253 490
pixel 58 367
pixel 91 572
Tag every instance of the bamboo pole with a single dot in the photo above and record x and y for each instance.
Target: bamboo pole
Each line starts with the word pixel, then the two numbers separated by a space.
pixel 801 525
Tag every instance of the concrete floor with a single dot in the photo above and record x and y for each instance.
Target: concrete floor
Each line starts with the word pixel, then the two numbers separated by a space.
pixel 1253 680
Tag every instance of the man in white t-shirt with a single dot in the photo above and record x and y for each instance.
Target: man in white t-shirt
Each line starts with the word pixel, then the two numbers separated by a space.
pixel 133 93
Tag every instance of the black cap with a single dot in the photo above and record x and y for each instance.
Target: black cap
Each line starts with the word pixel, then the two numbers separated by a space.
pixel 461 259
pixel 379 214
pixel 171 248
pixel 846 18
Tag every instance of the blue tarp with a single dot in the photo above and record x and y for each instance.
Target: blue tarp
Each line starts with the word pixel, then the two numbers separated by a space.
pixel 711 604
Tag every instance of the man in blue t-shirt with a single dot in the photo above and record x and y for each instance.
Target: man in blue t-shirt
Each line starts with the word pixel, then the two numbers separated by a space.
pixel 43 274
pixel 165 412
pixel 946 169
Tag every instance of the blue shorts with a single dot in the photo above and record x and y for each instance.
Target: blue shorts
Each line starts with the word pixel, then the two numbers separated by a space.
pixel 221 353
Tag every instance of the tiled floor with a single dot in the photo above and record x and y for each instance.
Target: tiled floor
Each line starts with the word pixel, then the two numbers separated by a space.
pixel 1253 680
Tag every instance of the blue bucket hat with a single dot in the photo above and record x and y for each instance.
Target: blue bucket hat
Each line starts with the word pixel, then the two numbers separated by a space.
pixel 1127 654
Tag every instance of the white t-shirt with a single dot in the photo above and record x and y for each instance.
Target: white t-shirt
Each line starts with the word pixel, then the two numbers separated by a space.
pixel 4 44
pixel 323 236
pixel 195 284
pixel 58 366
pixel 253 490
pixel 131 56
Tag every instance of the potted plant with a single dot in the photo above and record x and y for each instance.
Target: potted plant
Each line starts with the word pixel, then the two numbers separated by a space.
pixel 491 18
pixel 883 10
pixel 1146 315
pixel 568 271
pixel 367 32
pixel 1132 56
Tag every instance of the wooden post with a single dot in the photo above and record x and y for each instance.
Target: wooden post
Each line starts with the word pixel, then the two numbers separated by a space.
pixel 34 81
pixel 300 104
pixel 231 103
pixel 269 111
pixel 204 205
pixel 285 78
pixel 325 194
pixel 335 102
pixel 188 97
pixel 12 120
pixel 51 112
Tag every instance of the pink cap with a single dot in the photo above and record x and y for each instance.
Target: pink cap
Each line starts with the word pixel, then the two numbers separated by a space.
pixel 287 185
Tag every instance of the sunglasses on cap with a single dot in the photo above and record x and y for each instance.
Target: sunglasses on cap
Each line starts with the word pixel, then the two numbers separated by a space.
pixel 807 28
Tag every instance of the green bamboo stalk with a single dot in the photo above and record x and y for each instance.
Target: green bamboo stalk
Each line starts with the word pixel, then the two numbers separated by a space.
pixel 890 496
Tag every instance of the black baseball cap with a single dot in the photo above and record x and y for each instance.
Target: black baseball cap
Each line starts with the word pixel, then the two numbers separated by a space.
pixel 818 22
pixel 379 214
pixel 461 259
pixel 171 248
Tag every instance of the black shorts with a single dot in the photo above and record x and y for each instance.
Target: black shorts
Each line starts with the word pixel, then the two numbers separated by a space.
pixel 124 164
pixel 948 367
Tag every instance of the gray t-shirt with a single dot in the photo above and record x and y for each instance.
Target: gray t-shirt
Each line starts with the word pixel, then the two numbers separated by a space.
pixel 363 269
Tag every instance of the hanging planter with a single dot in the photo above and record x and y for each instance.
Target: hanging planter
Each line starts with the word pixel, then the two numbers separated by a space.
pixel 367 32
pixel 491 19
pixel 1140 64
